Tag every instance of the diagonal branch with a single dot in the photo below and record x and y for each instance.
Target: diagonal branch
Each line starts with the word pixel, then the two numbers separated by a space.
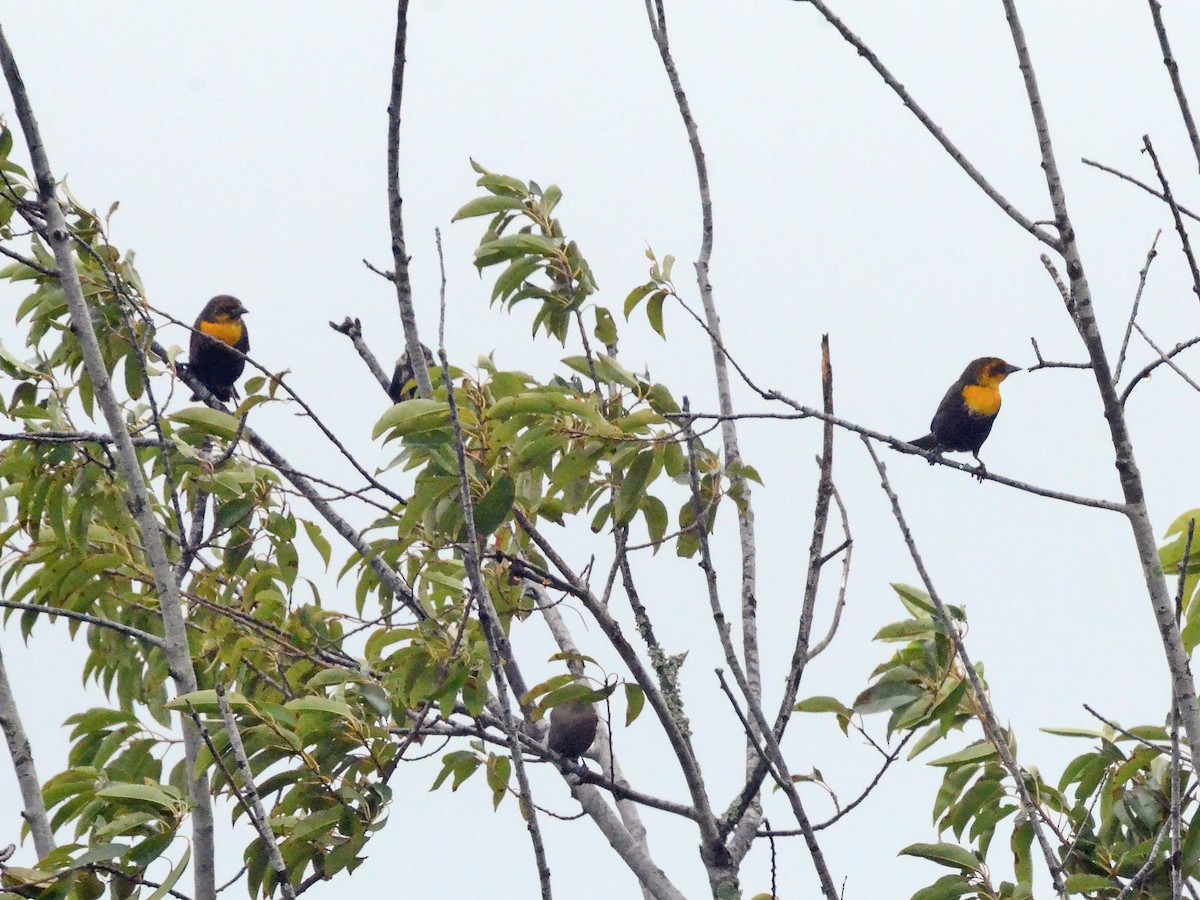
pixel 1185 109
pixel 933 128
pixel 1145 187
pixel 1170 200
pixel 1137 302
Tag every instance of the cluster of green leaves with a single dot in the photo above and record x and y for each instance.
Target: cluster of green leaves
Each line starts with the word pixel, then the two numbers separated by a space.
pixel 69 543
pixel 542 263
pixel 319 726
pixel 1107 810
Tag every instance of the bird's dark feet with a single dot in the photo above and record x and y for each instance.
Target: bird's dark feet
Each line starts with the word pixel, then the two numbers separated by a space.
pixel 981 471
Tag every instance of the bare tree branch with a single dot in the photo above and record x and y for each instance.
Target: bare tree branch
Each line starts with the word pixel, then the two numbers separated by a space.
pixel 733 459
pixel 1137 302
pixel 352 328
pixel 932 127
pixel 26 770
pixel 1145 187
pixel 1185 109
pixel 1170 200
pixel 1166 360
pixel 408 317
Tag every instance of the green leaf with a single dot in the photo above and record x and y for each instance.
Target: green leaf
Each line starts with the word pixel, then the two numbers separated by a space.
pixel 207 421
pixel 157 795
pixel 499 768
pixel 318 540
pixel 823 704
pixel 944 854
pixel 321 705
pixel 550 197
pixel 636 296
pixel 630 493
pixel 657 518
pixel 511 246
pixel 173 877
pixel 1021 842
pixel 654 312
pixel 606 328
pixel 486 206
pixel 977 751
pixel 514 276
pixel 948 887
pixel 493 508
pixel 413 417
pixel 1083 883
pixel 635 701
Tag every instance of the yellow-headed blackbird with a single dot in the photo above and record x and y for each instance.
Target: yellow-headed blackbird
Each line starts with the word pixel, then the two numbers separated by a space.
pixel 572 728
pixel 964 417
pixel 219 327
pixel 404 379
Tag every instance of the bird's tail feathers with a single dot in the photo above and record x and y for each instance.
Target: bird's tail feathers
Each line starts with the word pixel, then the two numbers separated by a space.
pixel 929 442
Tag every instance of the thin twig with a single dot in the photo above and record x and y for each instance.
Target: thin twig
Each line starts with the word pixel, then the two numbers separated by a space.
pixel 1145 187
pixel 1179 227
pixel 745 830
pixel 248 796
pixel 1185 109
pixel 1046 364
pixel 1137 300
pixel 1147 867
pixel 840 603
pixel 1149 369
pixel 146 637
pixel 1176 816
pixel 1063 291
pixel 28 263
pixel 1164 358
pixel 807 412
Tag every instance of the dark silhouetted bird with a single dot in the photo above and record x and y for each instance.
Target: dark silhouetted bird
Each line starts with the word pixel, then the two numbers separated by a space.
pixel 218 328
pixel 965 416
pixel 404 380
pixel 572 728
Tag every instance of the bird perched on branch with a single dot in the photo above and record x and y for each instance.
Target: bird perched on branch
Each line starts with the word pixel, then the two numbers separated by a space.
pixel 404 378
pixel 965 416
pixel 572 728
pixel 218 328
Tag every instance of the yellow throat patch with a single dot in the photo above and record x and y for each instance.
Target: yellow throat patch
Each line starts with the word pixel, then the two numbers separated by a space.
pixel 228 332
pixel 982 401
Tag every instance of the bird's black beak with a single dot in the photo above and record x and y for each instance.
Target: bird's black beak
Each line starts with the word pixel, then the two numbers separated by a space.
pixel 240 311
pixel 1008 370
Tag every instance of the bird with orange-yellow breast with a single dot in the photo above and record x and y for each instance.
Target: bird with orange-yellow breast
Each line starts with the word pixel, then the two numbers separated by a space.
pixel 966 414
pixel 218 328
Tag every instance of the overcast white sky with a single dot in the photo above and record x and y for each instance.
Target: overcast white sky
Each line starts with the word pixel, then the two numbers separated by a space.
pixel 246 145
